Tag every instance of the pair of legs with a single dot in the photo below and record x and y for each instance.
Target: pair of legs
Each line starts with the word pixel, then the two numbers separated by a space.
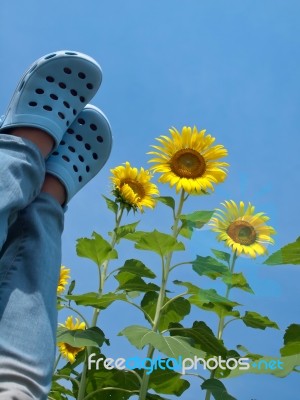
pixel 52 142
pixel 30 258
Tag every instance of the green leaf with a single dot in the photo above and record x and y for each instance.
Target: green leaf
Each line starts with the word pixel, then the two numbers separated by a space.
pixel 151 396
pixel 224 373
pixel 212 268
pixel 237 281
pixel 202 336
pixel 249 354
pixel 167 200
pixel 59 306
pixel 291 341
pixel 222 255
pixel 162 381
pixel 198 218
pixel 209 267
pixel 130 283
pixel 71 287
pixel 171 346
pixel 102 378
pixel 289 364
pixel 280 367
pixel 257 321
pixel 81 337
pixel 136 267
pixel 93 299
pixel 133 295
pixel 289 254
pixel 210 300
pixel 59 392
pixel 96 249
pixel 174 312
pixel 135 236
pixel 195 220
pixel 167 382
pixel 155 241
pixel 292 334
pixel 111 205
pixel 124 230
pixel 217 389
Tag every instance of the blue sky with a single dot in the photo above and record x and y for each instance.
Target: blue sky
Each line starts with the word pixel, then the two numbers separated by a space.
pixel 230 67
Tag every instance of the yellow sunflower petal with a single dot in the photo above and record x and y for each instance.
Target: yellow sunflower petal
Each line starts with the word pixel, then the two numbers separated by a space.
pixel 67 351
pixel 63 279
pixel 133 186
pixel 242 230
pixel 188 161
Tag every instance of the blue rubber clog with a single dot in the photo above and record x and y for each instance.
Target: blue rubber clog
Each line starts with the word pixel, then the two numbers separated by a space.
pixel 52 93
pixel 83 150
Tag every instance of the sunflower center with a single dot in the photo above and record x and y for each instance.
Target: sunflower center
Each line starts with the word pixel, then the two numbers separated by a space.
pixel 188 163
pixel 242 232
pixel 136 187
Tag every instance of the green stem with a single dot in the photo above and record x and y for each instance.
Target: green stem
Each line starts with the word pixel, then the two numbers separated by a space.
pixel 111 273
pixel 173 299
pixel 166 266
pixel 131 371
pixel 222 317
pixel 102 277
pixel 231 320
pixel 147 316
pixel 196 375
pixel 179 264
pixel 67 377
pixel 56 362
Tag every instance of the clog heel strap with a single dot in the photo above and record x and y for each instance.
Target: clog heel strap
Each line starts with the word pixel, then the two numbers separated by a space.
pixel 83 151
pixel 52 92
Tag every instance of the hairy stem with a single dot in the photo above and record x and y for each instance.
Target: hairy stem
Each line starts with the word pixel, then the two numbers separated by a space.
pixel 102 277
pixel 182 263
pixel 222 318
pixel 56 362
pixel 166 265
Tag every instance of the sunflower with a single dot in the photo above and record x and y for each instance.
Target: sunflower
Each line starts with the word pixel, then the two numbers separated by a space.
pixel 133 186
pixel 188 160
pixel 63 279
pixel 243 230
pixel 68 351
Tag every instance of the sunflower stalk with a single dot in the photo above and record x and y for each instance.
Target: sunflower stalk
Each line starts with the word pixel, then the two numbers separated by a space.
pixel 222 318
pixel 56 363
pixel 221 325
pixel 166 265
pixel 102 277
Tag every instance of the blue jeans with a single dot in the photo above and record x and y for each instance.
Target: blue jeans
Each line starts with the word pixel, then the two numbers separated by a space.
pixel 31 224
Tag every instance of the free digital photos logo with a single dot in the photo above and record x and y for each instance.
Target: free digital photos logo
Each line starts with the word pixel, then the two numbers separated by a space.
pixel 181 364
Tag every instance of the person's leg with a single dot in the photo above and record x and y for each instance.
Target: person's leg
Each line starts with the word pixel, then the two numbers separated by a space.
pixel 41 139
pixel 29 263
pixel 55 188
pixel 22 171
pixel 31 257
